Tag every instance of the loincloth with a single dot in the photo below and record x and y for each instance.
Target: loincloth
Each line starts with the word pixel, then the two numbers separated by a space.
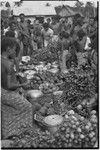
pixel 16 111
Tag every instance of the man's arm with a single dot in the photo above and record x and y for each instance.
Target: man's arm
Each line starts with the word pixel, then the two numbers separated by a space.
pixel 42 35
pixel 51 33
pixel 82 43
pixel 12 85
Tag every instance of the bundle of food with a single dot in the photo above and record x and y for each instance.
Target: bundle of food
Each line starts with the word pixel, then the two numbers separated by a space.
pixel 75 132
pixel 47 54
pixel 48 87
pixel 25 59
pixel 78 86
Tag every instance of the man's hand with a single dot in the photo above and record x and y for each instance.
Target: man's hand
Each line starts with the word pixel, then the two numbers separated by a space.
pixel 26 85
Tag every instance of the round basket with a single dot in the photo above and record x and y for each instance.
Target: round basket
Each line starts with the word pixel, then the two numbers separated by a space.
pixel 53 122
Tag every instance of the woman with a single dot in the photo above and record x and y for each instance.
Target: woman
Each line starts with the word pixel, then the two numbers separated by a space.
pixel 16 110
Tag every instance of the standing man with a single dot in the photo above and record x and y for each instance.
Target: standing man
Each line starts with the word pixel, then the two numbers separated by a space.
pixel 24 35
pixel 47 34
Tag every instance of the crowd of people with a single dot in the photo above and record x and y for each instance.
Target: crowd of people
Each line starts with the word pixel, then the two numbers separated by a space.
pixel 76 39
pixel 77 33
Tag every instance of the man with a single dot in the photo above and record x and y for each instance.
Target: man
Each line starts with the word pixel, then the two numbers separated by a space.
pixel 91 27
pixel 49 22
pixel 15 109
pixel 13 32
pixel 37 34
pixel 12 28
pixel 55 25
pixel 6 26
pixel 62 25
pixel 47 34
pixel 24 35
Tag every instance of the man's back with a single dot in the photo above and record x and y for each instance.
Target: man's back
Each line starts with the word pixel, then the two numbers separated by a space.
pixel 7 69
pixel 4 66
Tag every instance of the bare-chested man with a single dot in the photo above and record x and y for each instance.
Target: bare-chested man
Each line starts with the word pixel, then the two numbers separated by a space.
pixel 16 110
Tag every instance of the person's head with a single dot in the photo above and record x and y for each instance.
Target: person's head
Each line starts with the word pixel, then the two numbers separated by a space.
pixel 48 20
pixel 29 21
pixel 22 17
pixel 41 20
pixel 12 18
pixel 79 22
pixel 62 21
pixel 81 34
pixel 55 19
pixel 10 34
pixel 77 16
pixel 63 35
pixel 8 46
pixel 91 21
pixel 46 26
pixel 12 25
pixel 6 24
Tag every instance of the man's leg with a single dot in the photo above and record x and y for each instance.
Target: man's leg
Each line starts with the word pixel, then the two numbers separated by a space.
pixel 64 55
pixel 16 112
pixel 25 50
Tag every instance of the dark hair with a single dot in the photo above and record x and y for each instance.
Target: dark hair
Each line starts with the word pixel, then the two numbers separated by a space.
pixel 49 19
pixel 10 34
pixel 81 33
pixel 21 15
pixel 12 17
pixel 64 34
pixel 45 25
pixel 7 42
pixel 28 21
pixel 77 15
pixel 79 21
pixel 12 22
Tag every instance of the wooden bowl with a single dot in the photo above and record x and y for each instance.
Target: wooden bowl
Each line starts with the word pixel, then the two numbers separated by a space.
pixel 34 94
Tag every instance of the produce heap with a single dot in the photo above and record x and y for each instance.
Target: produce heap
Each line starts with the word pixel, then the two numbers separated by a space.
pixel 80 90
pixel 79 129
pixel 75 132
pixel 48 54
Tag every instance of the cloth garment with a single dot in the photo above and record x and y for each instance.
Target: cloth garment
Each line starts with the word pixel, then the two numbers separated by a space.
pixel 16 112
pixel 88 41
pixel 47 36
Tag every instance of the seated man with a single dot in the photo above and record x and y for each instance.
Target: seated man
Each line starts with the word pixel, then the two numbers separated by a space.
pixel 16 110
